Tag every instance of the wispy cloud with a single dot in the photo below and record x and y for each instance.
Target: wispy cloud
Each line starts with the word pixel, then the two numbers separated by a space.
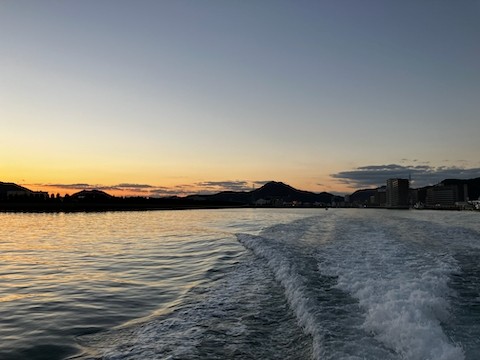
pixel 135 186
pixel 229 185
pixel 68 186
pixel 422 175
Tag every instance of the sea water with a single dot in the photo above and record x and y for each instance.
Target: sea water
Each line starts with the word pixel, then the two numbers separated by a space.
pixel 240 284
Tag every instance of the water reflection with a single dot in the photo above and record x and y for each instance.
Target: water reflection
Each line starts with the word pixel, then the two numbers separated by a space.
pixel 64 275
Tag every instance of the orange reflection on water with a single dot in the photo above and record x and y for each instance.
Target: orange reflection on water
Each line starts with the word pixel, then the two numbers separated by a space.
pixel 13 297
pixel 46 251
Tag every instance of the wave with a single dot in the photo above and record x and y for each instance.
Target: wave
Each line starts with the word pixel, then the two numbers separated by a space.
pixel 295 288
pixel 232 313
pixel 369 294
pixel 402 289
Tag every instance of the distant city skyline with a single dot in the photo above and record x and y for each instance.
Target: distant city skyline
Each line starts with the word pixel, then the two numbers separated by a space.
pixel 177 97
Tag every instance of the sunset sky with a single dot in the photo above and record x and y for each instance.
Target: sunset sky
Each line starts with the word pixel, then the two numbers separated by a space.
pixel 175 97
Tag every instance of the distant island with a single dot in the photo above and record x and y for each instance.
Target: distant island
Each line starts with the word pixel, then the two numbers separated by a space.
pixel 450 194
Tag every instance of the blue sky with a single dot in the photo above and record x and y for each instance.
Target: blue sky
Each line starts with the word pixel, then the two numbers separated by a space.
pixel 175 94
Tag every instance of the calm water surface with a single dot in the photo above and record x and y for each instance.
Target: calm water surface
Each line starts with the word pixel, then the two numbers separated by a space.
pixel 242 283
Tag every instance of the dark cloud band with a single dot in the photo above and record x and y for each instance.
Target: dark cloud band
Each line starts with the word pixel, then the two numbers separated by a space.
pixel 421 175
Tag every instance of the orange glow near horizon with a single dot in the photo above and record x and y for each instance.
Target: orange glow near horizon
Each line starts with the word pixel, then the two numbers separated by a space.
pixel 149 190
pixel 62 191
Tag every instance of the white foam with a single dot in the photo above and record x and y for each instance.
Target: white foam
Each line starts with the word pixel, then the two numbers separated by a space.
pixel 403 293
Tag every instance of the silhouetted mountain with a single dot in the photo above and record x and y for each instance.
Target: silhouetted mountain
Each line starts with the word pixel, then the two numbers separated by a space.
pixel 240 197
pixel 279 189
pixel 275 191
pixel 12 187
pixel 91 195
pixel 362 196
pixel 12 191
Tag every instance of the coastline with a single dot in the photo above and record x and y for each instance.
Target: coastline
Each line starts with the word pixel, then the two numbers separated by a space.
pixel 76 207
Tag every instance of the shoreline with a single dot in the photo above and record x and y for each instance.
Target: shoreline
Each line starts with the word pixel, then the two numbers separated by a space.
pixel 91 207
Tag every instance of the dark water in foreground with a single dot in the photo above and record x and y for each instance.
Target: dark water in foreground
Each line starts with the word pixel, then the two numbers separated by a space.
pixel 243 284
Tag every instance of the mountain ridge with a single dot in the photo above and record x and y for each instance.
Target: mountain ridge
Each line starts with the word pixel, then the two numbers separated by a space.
pixel 274 191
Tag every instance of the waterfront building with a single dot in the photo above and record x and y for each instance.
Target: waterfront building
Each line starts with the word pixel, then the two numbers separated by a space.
pixel 397 193
pixel 381 196
pixel 442 196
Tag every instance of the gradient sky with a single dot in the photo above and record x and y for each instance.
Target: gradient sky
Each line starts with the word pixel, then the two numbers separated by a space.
pixel 180 96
